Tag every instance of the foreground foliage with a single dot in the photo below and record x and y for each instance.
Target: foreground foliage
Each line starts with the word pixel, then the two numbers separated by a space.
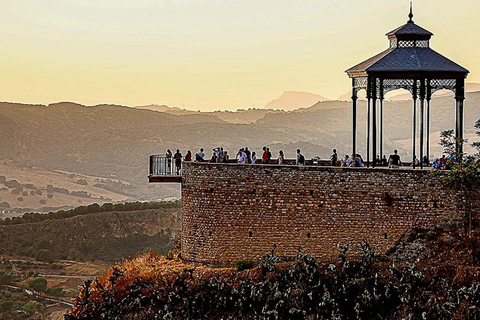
pixel 151 287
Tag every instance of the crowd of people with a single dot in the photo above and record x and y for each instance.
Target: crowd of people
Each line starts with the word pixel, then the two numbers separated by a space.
pixel 246 156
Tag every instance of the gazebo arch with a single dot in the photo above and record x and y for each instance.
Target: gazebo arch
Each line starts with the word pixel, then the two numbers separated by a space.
pixel 409 63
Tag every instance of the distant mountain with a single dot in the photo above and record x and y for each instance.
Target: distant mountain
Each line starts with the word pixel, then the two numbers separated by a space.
pixel 292 100
pixel 166 109
pixel 100 153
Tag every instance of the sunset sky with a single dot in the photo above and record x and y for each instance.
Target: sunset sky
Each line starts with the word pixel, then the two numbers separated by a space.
pixel 209 54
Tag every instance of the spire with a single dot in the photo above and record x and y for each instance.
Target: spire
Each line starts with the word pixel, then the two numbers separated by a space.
pixel 410 15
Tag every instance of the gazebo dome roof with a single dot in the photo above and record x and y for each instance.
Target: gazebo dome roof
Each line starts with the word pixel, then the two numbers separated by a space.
pixel 409 54
pixel 410 29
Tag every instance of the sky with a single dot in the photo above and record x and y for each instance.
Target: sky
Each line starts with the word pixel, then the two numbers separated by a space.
pixel 209 54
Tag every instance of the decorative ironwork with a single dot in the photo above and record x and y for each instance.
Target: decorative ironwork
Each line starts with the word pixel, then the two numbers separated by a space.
pixel 442 84
pixel 360 83
pixel 413 43
pixel 393 42
pixel 422 43
pixel 395 84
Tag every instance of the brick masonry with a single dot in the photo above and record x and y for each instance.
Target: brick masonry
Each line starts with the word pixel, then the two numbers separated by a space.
pixel 233 212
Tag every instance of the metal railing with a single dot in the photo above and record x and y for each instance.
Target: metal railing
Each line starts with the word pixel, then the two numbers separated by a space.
pixel 160 165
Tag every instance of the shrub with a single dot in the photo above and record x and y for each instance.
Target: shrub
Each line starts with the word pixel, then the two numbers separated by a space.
pixel 38 284
pixel 44 255
pixel 243 264
pixel 6 278
pixel 44 244
pixel 6 305
pixel 56 292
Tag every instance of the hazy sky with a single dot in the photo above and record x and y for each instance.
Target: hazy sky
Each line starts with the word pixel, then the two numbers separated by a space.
pixel 209 54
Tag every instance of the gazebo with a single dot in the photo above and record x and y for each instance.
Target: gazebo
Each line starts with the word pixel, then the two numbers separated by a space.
pixel 409 63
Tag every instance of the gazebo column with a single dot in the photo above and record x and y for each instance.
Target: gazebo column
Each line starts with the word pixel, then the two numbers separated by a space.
pixel 354 117
pixel 459 97
pixel 429 96
pixel 369 96
pixel 374 121
pixel 422 116
pixel 414 125
pixel 381 120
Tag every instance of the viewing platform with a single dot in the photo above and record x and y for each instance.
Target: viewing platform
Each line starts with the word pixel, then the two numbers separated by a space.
pixel 163 169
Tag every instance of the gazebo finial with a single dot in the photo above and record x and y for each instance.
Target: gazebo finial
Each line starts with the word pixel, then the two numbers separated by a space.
pixel 410 15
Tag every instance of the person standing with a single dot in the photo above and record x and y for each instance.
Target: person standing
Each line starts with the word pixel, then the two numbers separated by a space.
pixel 334 157
pixel 265 155
pixel 300 158
pixel 281 157
pixel 168 156
pixel 254 157
pixel 178 160
pixel 247 152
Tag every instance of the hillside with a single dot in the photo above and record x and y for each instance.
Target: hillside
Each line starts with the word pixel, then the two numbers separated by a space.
pixel 66 248
pixel 105 235
pixel 431 274
pixel 65 145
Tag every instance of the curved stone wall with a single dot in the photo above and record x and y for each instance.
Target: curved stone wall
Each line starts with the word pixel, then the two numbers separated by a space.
pixel 233 212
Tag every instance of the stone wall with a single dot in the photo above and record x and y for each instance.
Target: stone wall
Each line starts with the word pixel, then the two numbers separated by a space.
pixel 233 212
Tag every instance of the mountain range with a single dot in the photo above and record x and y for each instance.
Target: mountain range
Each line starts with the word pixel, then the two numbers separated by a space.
pixel 66 154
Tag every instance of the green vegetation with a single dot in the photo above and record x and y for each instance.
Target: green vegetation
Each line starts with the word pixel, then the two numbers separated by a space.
pixel 38 284
pixel 462 175
pixel 6 278
pixel 241 265
pixel 94 233
pixel 44 255
pixel 83 210
pixel 151 287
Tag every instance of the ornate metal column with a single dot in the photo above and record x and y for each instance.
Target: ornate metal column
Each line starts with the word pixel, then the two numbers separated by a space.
pixel 381 119
pixel 429 97
pixel 422 116
pixel 354 116
pixel 369 96
pixel 414 125
pixel 459 97
pixel 374 120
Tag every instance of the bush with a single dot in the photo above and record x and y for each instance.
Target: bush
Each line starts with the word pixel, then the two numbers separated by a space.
pixel 6 306
pixel 243 265
pixel 32 306
pixel 44 244
pixel 44 255
pixel 6 278
pixel 38 284
pixel 56 292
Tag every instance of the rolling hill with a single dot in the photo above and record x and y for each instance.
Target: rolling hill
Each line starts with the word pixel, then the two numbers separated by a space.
pixel 100 153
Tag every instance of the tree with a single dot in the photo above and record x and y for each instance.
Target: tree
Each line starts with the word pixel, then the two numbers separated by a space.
pixel 463 173
pixel 44 255
pixel 6 278
pixel 38 285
